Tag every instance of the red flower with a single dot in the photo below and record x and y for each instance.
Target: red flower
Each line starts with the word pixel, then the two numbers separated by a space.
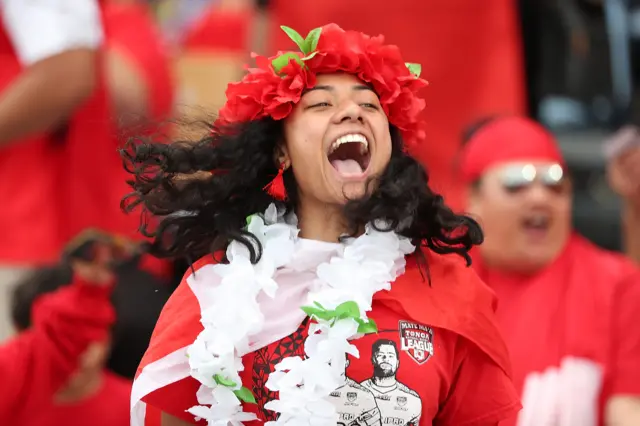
pixel 263 92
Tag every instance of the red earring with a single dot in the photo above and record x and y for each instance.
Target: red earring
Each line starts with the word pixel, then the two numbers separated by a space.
pixel 276 188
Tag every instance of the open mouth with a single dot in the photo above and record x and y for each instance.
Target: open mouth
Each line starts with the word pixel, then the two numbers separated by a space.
pixel 349 155
pixel 537 222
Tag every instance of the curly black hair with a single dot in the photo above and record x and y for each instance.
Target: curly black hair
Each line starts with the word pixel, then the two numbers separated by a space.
pixel 201 192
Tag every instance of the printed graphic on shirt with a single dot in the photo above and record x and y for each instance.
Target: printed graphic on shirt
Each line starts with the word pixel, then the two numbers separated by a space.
pixel 372 393
pixel 265 361
pixel 355 404
pixel 398 404
pixel 416 340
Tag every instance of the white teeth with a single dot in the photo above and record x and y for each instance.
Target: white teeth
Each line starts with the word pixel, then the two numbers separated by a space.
pixel 353 137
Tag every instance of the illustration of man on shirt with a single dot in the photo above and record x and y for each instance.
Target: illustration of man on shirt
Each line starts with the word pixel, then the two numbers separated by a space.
pixel 399 405
pixel 355 404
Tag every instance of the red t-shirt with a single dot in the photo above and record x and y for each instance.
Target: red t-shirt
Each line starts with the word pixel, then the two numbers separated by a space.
pixel 412 373
pixel 584 306
pixel 107 407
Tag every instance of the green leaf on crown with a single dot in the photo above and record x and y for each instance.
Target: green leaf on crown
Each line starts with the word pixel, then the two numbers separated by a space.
pixel 223 381
pixel 306 58
pixel 245 395
pixel 415 69
pixel 284 59
pixel 311 42
pixel 295 36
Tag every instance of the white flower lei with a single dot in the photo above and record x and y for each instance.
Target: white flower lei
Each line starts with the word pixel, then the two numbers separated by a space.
pixel 348 282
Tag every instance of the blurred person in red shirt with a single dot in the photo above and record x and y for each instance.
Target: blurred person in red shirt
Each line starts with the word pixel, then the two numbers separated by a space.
pixel 65 329
pixel 135 321
pixel 92 392
pixel 134 87
pixel 48 63
pixel 568 309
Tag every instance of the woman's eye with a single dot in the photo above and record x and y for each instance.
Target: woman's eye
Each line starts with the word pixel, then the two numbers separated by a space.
pixel 367 105
pixel 320 105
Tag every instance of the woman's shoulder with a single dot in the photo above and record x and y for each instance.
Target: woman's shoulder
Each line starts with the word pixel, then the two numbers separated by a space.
pixel 448 294
pixel 445 280
pixel 179 322
pixel 209 259
pixel 177 328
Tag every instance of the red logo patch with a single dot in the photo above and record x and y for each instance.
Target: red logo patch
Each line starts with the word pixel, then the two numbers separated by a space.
pixel 416 340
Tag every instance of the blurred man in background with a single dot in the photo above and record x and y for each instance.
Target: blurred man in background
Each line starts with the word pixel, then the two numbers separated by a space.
pixel 568 309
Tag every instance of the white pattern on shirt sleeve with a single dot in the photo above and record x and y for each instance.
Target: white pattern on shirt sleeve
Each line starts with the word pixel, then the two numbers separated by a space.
pixel 39 29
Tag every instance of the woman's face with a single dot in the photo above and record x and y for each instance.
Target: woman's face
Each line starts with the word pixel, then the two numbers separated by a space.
pixel 336 139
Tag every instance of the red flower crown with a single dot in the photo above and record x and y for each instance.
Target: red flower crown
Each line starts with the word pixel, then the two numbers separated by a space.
pixel 276 84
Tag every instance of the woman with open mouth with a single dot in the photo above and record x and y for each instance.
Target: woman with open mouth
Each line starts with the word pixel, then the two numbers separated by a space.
pixel 333 284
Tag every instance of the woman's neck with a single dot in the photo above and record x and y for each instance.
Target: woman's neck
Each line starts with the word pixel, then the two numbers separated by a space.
pixel 320 221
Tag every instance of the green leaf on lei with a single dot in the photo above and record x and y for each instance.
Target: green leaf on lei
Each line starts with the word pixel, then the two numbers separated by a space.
pixel 284 59
pixel 295 36
pixel 224 381
pixel 348 310
pixel 245 395
pixel 311 42
pixel 318 313
pixel 415 69
pixel 343 311
pixel 367 327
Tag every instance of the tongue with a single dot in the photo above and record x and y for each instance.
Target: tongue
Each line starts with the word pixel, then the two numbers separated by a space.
pixel 347 167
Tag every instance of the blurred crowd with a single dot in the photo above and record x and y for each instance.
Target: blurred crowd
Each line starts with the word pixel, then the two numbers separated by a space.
pixel 79 296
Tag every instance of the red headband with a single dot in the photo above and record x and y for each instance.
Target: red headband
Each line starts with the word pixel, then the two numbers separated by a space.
pixel 276 84
pixel 507 140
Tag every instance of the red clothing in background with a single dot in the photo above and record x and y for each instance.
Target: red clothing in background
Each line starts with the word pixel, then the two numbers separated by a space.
pixel 28 186
pixel 95 179
pixel 94 176
pixel 30 215
pixel 453 366
pixel 36 363
pixel 470 53
pixel 109 406
pixel 584 306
